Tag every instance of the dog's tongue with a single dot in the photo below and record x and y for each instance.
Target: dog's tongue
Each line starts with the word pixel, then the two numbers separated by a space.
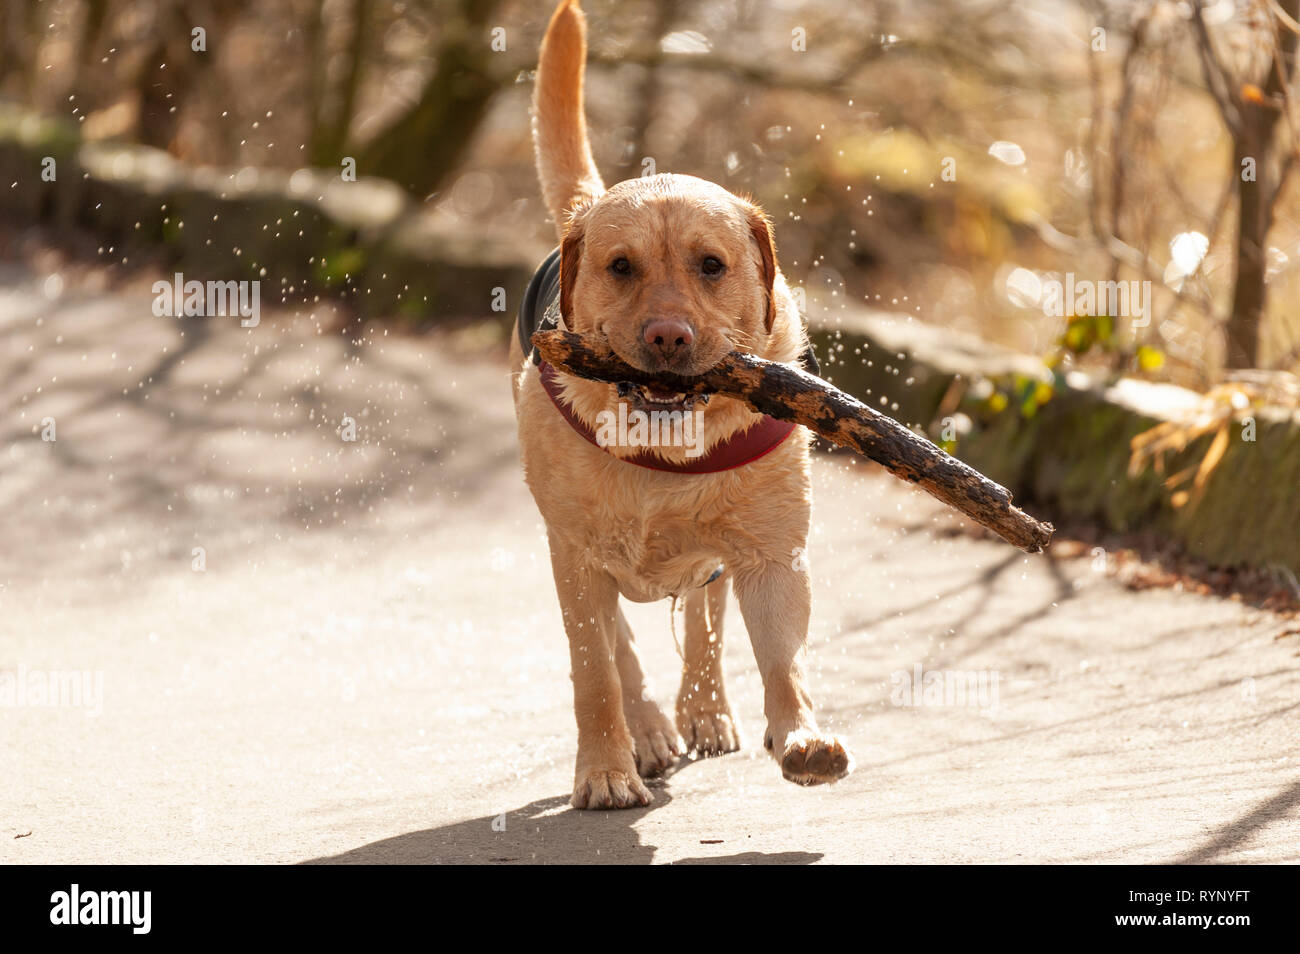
pixel 659 394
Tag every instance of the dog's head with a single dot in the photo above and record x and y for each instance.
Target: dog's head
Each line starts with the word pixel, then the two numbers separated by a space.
pixel 674 271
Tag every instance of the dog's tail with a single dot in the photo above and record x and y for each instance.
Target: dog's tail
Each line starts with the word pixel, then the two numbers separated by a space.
pixel 564 164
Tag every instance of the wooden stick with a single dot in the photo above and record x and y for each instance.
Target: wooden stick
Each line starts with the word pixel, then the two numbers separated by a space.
pixel 792 394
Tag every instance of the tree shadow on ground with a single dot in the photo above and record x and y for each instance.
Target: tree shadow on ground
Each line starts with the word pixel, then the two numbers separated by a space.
pixel 177 432
pixel 1239 831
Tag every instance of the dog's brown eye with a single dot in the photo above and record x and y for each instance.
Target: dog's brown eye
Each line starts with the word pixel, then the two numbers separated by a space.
pixel 620 266
pixel 712 266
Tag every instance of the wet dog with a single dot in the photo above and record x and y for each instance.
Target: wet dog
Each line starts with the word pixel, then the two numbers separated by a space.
pixel 674 272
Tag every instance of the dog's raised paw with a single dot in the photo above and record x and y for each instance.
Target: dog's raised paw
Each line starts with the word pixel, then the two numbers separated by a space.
pixel 602 789
pixel 708 733
pixel 810 758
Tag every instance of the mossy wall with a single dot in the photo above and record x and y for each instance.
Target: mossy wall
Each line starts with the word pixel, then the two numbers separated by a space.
pixel 301 235
pixel 1070 459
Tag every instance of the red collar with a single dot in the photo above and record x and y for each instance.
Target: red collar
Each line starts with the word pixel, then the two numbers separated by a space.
pixel 739 449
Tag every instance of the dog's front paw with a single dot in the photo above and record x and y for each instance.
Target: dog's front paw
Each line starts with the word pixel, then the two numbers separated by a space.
pixel 708 732
pixel 809 757
pixel 609 788
pixel 654 740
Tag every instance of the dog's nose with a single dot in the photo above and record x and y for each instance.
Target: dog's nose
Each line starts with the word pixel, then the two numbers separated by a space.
pixel 668 336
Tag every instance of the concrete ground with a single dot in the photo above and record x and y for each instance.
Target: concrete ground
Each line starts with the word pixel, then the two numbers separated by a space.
pixel 314 649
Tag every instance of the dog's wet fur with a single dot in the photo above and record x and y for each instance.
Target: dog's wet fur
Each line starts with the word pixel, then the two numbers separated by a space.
pixel 674 272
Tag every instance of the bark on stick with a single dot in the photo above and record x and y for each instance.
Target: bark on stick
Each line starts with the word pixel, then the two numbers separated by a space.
pixel 791 394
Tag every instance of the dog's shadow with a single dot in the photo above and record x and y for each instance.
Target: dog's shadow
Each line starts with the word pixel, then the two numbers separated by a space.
pixel 547 831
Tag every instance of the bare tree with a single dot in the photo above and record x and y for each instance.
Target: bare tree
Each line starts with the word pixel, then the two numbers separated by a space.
pixel 332 105
pixel 1252 109
pixel 420 147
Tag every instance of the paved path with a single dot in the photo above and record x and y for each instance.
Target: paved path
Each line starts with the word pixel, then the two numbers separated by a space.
pixel 370 665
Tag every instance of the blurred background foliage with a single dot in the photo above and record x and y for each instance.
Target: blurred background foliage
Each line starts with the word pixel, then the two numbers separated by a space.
pixel 944 158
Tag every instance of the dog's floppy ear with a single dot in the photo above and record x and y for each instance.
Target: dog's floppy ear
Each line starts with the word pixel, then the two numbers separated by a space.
pixel 761 229
pixel 570 257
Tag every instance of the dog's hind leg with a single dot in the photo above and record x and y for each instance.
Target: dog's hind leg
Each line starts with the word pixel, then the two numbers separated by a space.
pixel 703 716
pixel 653 736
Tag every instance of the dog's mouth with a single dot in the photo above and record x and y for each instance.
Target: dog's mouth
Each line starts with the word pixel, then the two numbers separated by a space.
pixel 647 398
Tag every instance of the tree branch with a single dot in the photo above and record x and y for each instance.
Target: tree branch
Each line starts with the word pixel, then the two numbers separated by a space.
pixel 1217 79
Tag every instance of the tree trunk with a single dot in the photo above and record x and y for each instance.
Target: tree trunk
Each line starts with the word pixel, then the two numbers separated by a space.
pixel 335 106
pixel 422 146
pixel 173 69
pixel 19 30
pixel 88 87
pixel 1248 291
pixel 1254 140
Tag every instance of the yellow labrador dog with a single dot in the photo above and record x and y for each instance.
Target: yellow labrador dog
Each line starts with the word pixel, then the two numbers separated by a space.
pixel 674 272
